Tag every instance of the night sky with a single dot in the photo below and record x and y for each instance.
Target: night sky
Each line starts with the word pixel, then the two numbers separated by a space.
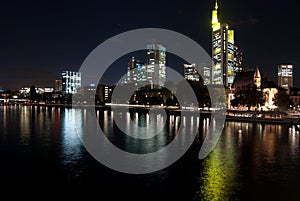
pixel 40 39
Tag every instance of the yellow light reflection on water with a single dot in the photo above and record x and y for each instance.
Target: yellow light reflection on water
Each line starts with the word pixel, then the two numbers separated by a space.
pixel 218 178
pixel 217 184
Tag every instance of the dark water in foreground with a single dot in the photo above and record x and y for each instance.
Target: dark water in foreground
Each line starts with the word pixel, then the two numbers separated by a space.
pixel 40 151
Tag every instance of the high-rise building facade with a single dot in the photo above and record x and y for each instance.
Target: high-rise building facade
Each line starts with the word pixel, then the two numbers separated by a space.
pixel 206 74
pixel 104 93
pixel 191 73
pixel 238 59
pixel 156 64
pixel 197 73
pixel 136 71
pixel 58 85
pixel 285 76
pixel 152 72
pixel 71 81
pixel 224 67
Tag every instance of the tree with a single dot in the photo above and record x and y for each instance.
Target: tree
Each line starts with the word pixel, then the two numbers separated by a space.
pixel 282 99
pixel 200 91
pixel 32 94
pixel 67 98
pixel 248 96
pixel 202 94
pixel 47 97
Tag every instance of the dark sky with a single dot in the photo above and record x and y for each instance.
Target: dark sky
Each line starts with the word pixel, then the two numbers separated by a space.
pixel 39 39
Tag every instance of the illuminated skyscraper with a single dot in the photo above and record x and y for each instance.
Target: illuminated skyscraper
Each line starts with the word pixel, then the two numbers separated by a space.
pixel 152 72
pixel 285 76
pixel 136 71
pixel 71 81
pixel 223 51
pixel 238 59
pixel 206 74
pixel 58 85
pixel 156 64
pixel 191 73
pixel 196 73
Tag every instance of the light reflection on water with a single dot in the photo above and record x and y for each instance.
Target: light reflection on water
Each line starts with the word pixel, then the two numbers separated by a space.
pixel 25 126
pixel 220 169
pixel 71 145
pixel 250 161
pixel 136 122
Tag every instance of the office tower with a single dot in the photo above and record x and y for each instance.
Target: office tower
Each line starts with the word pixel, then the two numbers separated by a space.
pixel 71 81
pixel 223 51
pixel 104 93
pixel 285 76
pixel 238 59
pixel 191 73
pixel 136 71
pixel 156 65
pixel 58 85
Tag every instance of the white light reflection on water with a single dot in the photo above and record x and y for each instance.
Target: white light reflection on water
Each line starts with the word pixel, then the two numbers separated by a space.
pixel 72 148
pixel 4 116
pixel 165 128
pixel 248 163
pixel 25 125
pixel 294 141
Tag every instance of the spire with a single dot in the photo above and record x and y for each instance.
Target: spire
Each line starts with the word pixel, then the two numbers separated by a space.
pixel 257 73
pixel 257 78
pixel 215 21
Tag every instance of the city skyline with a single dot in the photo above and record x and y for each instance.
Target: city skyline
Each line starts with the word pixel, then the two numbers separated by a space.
pixel 153 71
pixel 41 40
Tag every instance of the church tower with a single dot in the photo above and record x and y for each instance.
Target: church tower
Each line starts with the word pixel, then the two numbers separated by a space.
pixel 257 79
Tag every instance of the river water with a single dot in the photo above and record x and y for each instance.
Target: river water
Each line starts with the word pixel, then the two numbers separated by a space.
pixel 40 149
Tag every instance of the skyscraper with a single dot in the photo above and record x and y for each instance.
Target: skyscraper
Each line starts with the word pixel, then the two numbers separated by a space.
pixel 238 59
pixel 223 51
pixel 156 65
pixel 206 74
pixel 191 73
pixel 58 85
pixel 136 71
pixel 71 81
pixel 285 76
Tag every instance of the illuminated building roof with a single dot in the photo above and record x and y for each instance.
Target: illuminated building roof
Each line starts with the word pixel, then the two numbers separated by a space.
pixel 215 21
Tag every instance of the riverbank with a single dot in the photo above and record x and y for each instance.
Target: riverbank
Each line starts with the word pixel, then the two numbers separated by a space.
pixel 269 117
